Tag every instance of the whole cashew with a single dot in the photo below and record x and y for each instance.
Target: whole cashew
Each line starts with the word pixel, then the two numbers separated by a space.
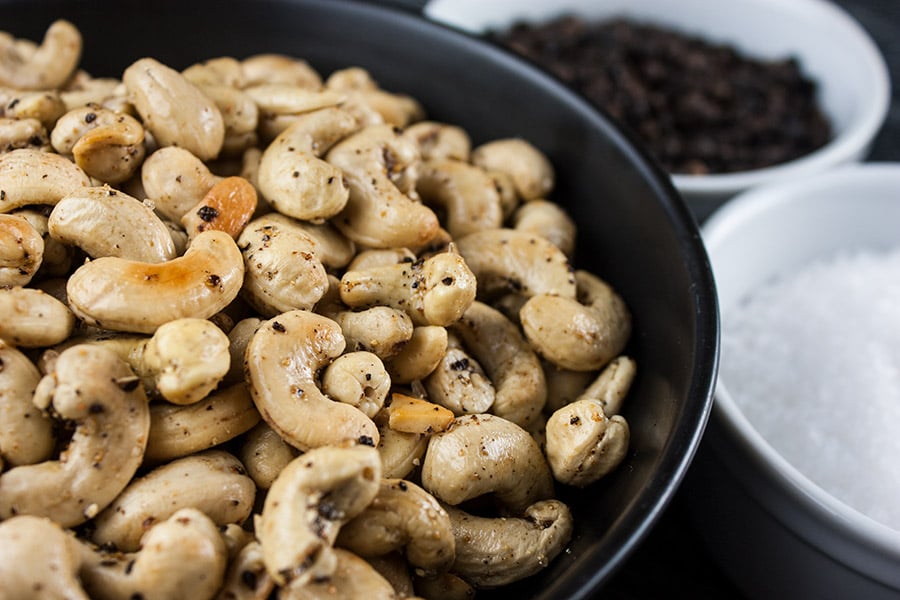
pixel 32 318
pixel 282 361
pixel 437 141
pixel 18 133
pixel 402 516
pixel 264 454
pixel 378 214
pixel 48 66
pixel 103 221
pixel 491 552
pixel 58 257
pixel 548 220
pixel 401 453
pixel 173 109
pixel 279 68
pixel 564 386
pixel 213 482
pixel 382 330
pixel 238 338
pixel 228 206
pixel 21 250
pixel 124 295
pixel 467 194
pixel 280 105
pixel 94 388
pixel 531 172
pixel 222 70
pixel 353 577
pixel 29 176
pixel 394 109
pixel 26 435
pixel 612 384
pixel 458 462
pixel 581 334
pixel 359 379
pixel 306 506
pixel 175 181
pixel 84 89
pixel 396 570
pixel 459 383
pixel 420 356
pixel 583 444
pixel 47 106
pixel 240 116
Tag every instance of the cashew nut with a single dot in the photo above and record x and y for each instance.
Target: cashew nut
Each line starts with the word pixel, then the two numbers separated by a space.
pixel 26 435
pixel 222 70
pixel 420 356
pixel 247 578
pixel 307 505
pixel 467 193
pixel 446 586
pixel 532 173
pixel 94 388
pixel 279 68
pixel 548 220
pixel 398 110
pixel 45 67
pixel 352 578
pixel 564 385
pixel 401 453
pixel 612 385
pixel 18 133
pixel 282 361
pixel 240 117
pixel 482 454
pixel 38 558
pixel 280 105
pixel 32 318
pixel 175 181
pixel 438 140
pixel 21 250
pixel 264 454
pixel 359 379
pixel 29 176
pixel 46 106
pixel 459 383
pixel 382 330
pixel 238 338
pixel 125 295
pixel 58 257
pixel 409 414
pixel 396 570
pixel 83 89
pixel 228 206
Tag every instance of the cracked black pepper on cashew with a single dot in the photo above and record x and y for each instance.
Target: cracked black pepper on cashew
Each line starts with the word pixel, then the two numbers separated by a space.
pixel 276 334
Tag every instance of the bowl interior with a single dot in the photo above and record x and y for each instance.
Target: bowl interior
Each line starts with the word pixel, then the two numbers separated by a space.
pixel 634 229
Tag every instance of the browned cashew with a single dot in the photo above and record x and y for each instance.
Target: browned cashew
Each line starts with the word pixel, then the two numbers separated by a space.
pixel 581 334
pixel 531 171
pixel 507 358
pixel 458 459
pixel 282 361
pixel 247 578
pixel 294 178
pixel 494 552
pixel 173 109
pixel 307 505
pixel 353 578
pixel 420 356
pixel 18 133
pixel 182 558
pixel 583 444
pixel 548 220
pixel 177 431
pixel 213 482
pixel 402 516
pixel 612 385
pixel 264 454
pixel 45 67
pixel 459 383
pixel 21 250
pixel 32 318
pixel 103 221
pixel 437 141
pixel 26 435
pixel 175 181
pixel 465 192
pixel 124 295
pixel 434 291
pixel 29 176
pixel 359 379
pixel 409 414
pixel 376 163
pixel 94 388
pixel 228 206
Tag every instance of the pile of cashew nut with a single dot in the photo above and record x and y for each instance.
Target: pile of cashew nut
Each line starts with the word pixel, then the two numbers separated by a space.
pixel 272 334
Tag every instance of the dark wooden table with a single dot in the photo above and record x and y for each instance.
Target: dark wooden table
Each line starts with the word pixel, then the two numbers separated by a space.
pixel 672 561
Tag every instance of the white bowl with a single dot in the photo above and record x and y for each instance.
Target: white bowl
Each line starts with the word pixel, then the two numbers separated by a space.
pixel 773 530
pixel 832 48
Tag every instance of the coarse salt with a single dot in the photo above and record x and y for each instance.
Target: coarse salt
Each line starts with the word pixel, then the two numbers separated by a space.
pixel 813 361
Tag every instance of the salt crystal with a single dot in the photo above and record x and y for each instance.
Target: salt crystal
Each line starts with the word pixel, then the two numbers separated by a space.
pixel 813 361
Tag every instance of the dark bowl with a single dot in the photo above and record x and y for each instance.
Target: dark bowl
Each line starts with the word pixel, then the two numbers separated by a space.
pixel 634 229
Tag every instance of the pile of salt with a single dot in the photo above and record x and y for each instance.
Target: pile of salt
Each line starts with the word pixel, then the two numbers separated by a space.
pixel 813 361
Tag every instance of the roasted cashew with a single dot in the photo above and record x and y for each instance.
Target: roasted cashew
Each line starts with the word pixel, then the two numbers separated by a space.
pixel 353 578
pixel 26 435
pixel 222 70
pixel 494 552
pixel 459 383
pixel 382 330
pixel 420 356
pixel 29 176
pixel 83 89
pixel 434 291
pixel 16 133
pixel 446 586
pixel 238 338
pixel 294 178
pixel 532 173
pixel 124 295
pixel 48 66
pixel 410 414
pixel 58 257
pixel 484 454
pixel 240 117
pixel 173 109
pixel 507 358
pixel 103 221
pixel 564 386
pixel 401 453
pixel 32 318
pixel 21 250
pixel 46 106
pixel 581 334
pixel 177 431
pixel 437 141
pixel 378 213
pixel 398 110
pixel 213 482
pixel 182 558
pixel 307 505
pixel 465 192
pixel 281 105
pixel 282 361
pixel 175 181
pixel 548 220
pixel 374 258
pixel 279 68
pixel 583 444
pixel 328 244
pixel 359 379
pixel 94 388
pixel 396 570
pixel 247 578
pixel 264 454
pixel 612 385
pixel 228 206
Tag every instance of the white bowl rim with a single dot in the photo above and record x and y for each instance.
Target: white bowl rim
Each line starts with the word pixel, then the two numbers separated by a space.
pixel 822 506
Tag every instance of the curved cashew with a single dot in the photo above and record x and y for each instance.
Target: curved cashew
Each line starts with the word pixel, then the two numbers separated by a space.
pixel 106 222
pixel 612 385
pixel 240 116
pixel 434 291
pixel 467 193
pixel 581 334
pixel 307 505
pixel 175 181
pixel 507 260
pixel 124 295
pixel 228 206
pixel 506 187
pixel 247 578
pixel 279 68
pixel 213 482
pixel 372 258
pixel 564 386
pixel 328 244
pixel 177 431
pixel 238 338
pixel 495 552
pixel 382 330
pixel 358 379
pixel 49 65
pixel 438 141
pixel 282 361
pixel 32 318
pixel 280 105
pixel 18 133
pixel 459 383
pixel 39 558
pixel 21 250
pixel 420 356
pixel 398 110
pixel 401 453
pixel 58 256
pixel 459 458
pixel 26 435
pixel 46 106
pixel 402 516
pixel 396 570
pixel 84 89
pixel 583 444
pixel 221 70
pixel 378 214
pixel 29 176
pixel 353 577
pixel 173 109
pixel 532 173
pixel 182 558
pixel 548 220
pixel 264 454
pixel 95 389
pixel 507 358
